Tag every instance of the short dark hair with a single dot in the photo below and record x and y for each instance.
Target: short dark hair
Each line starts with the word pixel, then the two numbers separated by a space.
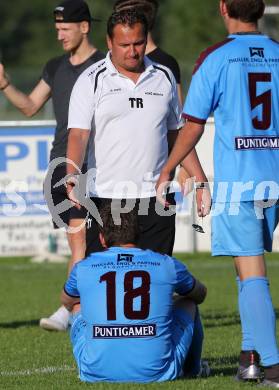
pixel 125 231
pixel 127 17
pixel 148 7
pixel 248 11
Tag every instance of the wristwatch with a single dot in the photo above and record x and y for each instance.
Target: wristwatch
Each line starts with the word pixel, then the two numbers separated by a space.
pixel 201 185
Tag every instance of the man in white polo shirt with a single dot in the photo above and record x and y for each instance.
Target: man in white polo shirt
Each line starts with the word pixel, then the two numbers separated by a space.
pixel 129 107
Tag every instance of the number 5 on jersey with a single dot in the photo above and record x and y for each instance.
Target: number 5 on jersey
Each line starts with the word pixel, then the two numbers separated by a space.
pixel 264 100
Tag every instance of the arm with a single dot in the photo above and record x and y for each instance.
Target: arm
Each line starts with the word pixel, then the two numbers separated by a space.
pixel 172 136
pixel 187 285
pixel 187 139
pixel 175 121
pixel 182 151
pixel 183 178
pixel 198 294
pixel 68 301
pixel 70 294
pixel 191 171
pixel 185 181
pixel 192 165
pixel 202 96
pixel 30 104
pixel 180 95
pixel 81 111
pixel 77 143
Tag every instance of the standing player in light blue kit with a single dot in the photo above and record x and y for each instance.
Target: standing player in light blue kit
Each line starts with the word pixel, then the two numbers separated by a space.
pixel 238 80
pixel 129 329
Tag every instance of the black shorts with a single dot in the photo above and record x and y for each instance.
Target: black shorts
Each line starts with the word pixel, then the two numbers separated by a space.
pixel 56 195
pixel 157 232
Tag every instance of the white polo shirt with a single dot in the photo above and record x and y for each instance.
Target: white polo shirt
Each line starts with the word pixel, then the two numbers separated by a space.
pixel 129 124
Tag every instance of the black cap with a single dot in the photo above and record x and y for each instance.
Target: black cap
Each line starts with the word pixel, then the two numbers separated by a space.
pixel 72 11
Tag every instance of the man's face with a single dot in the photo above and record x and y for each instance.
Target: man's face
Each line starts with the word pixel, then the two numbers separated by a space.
pixel 70 34
pixel 128 47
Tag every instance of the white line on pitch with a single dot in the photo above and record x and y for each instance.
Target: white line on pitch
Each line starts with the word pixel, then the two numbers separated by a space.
pixel 43 370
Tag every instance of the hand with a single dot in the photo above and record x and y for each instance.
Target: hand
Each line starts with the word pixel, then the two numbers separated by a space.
pixel 3 78
pixel 185 181
pixel 2 72
pixel 161 186
pixel 203 199
pixel 70 186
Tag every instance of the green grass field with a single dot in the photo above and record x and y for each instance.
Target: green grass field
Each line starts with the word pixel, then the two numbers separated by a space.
pixel 31 358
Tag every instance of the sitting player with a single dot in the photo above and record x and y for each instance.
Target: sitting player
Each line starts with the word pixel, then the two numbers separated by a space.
pixel 126 325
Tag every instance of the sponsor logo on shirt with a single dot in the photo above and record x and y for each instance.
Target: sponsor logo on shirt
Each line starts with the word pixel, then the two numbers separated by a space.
pixel 124 258
pixel 256 52
pixel 124 331
pixel 96 69
pixel 253 143
pixel 154 93
pixel 136 264
pixel 116 90
pixel 257 57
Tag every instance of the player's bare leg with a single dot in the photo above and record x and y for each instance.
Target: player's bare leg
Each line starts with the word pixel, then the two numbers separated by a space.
pixel 258 319
pixel 250 266
pixel 59 320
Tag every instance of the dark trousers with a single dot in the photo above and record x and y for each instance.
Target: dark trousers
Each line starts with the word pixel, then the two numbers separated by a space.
pixel 55 195
pixel 156 225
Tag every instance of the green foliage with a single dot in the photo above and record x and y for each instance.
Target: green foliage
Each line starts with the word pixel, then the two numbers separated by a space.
pixel 187 28
pixel 28 36
pixel 28 39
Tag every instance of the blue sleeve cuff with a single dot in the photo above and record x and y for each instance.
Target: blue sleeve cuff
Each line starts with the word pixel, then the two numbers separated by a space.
pixel 70 295
pixel 181 292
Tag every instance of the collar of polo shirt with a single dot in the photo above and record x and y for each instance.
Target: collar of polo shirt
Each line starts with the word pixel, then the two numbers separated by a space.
pixel 148 64
pixel 129 123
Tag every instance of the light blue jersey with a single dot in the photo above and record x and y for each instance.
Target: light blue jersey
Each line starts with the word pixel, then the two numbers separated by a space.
pixel 238 80
pixel 127 306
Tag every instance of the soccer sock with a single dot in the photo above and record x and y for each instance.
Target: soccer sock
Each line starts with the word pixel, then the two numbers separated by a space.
pixel 247 340
pixel 192 364
pixel 259 317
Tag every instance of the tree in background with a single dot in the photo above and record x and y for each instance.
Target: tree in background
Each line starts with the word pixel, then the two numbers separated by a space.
pixel 27 40
pixel 187 30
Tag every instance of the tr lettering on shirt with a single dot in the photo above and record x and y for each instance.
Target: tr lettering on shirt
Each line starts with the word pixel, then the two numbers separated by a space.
pixel 136 102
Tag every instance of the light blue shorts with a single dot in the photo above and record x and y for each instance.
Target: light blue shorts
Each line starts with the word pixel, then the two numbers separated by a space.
pixel 244 229
pixel 182 334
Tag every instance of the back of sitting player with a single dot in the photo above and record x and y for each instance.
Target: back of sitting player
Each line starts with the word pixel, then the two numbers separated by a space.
pixel 128 326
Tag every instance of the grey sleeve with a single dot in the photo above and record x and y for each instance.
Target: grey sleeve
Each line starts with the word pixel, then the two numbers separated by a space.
pixel 50 69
